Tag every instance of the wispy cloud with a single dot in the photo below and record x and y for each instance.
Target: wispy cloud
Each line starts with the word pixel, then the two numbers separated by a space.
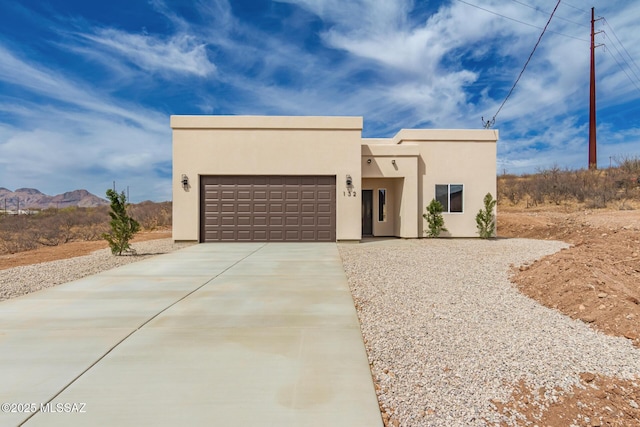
pixel 72 130
pixel 178 54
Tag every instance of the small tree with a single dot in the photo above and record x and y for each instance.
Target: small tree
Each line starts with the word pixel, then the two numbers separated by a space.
pixel 434 219
pixel 123 227
pixel 485 219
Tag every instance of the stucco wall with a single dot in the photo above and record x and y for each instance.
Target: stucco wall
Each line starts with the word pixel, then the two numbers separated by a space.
pixel 465 157
pixel 247 145
pixel 400 163
pixel 409 165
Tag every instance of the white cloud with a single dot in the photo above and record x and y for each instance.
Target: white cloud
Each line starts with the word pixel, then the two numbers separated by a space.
pixel 76 137
pixel 51 84
pixel 182 53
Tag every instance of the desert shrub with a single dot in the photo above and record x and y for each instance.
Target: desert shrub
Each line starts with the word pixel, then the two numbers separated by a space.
pixel 123 227
pixel 434 219
pixel 152 216
pixel 485 219
pixel 629 164
pixel 593 188
pixel 15 235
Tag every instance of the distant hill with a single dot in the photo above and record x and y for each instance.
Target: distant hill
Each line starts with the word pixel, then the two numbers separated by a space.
pixel 30 198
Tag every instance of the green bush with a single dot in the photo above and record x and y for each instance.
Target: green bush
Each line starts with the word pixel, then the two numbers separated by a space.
pixel 123 227
pixel 485 219
pixel 434 219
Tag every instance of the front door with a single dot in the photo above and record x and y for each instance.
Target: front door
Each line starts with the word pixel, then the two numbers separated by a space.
pixel 367 212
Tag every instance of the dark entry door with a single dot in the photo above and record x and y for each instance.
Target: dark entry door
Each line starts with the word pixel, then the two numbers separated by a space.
pixel 367 212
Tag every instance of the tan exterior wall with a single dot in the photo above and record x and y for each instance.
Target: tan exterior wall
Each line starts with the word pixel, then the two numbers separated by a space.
pixel 246 145
pixel 400 163
pixel 408 166
pixel 455 157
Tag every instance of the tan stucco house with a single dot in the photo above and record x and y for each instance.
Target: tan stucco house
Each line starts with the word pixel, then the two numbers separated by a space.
pixel 267 178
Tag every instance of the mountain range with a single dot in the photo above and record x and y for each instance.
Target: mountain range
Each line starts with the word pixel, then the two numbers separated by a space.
pixel 30 198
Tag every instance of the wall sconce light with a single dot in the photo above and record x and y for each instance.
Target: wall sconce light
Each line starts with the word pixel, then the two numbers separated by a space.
pixel 185 181
pixel 369 161
pixel 393 162
pixel 349 181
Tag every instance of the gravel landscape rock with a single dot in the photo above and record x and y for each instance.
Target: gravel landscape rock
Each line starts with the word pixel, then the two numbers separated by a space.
pixel 446 332
pixel 30 278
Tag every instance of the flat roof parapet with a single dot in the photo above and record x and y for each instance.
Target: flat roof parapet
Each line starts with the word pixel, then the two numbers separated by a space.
pixel 447 135
pixel 267 122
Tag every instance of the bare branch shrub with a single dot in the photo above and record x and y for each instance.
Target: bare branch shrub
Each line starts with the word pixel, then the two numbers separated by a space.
pixel 592 188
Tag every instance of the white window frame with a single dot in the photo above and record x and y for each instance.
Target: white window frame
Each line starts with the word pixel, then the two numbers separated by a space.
pixel 382 207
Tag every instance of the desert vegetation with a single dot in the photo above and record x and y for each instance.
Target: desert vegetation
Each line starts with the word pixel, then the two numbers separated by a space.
pixel 615 187
pixel 53 227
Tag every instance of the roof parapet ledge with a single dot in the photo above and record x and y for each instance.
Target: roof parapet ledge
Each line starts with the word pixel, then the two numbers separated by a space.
pixel 268 122
pixel 446 135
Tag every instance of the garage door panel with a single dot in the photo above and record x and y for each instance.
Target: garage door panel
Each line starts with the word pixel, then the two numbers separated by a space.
pixel 324 236
pixel 213 208
pixel 308 181
pixel 323 221
pixel 329 181
pixel 212 221
pixel 259 195
pixel 243 208
pixel 308 221
pixel 244 194
pixel 276 208
pixel 310 195
pixel 324 195
pixel 268 208
pixel 292 208
pixel 276 234
pixel 308 235
pixel 260 235
pixel 244 235
pixel 292 195
pixel 276 220
pixel 324 208
pixel 308 208
pixel 292 220
pixel 276 195
pixel 228 223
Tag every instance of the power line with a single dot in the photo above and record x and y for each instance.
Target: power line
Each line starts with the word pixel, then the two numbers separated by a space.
pixel 547 13
pixel 625 49
pixel 625 71
pixel 521 22
pixel 491 122
pixel 577 8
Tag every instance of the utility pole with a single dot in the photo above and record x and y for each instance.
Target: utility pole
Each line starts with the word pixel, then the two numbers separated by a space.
pixel 593 161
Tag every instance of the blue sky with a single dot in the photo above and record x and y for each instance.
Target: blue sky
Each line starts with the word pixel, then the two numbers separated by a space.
pixel 87 88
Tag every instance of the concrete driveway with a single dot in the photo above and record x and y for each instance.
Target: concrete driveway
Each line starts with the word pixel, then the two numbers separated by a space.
pixel 214 334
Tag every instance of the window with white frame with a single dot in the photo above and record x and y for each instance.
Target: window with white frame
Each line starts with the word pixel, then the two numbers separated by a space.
pixel 382 205
pixel 450 197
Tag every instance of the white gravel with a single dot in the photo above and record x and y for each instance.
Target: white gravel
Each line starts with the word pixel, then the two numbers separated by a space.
pixel 30 278
pixel 446 331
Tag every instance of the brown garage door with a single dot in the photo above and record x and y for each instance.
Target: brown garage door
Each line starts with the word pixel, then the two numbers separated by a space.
pixel 268 208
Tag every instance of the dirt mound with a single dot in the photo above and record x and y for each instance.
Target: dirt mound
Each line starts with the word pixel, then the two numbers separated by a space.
pixel 596 280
